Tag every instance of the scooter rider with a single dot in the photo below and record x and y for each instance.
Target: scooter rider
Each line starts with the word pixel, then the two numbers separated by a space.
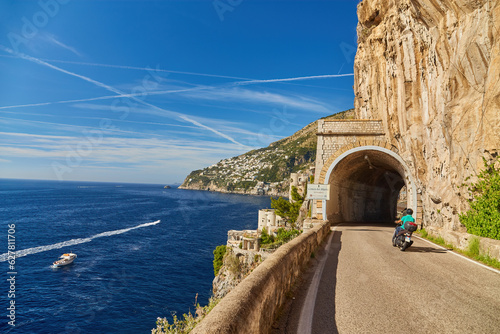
pixel 405 220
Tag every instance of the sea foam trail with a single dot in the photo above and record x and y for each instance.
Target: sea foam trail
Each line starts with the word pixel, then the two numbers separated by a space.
pixel 72 242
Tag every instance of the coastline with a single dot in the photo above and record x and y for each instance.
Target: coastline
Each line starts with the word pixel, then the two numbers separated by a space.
pixel 252 191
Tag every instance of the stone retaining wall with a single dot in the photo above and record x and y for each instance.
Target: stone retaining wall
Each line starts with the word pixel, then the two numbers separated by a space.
pixel 252 306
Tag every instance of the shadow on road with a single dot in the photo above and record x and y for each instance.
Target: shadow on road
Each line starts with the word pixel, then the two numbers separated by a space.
pixel 425 250
pixel 361 230
pixel 324 308
pixel 369 224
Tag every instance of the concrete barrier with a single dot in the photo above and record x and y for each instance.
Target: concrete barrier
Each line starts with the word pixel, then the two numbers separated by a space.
pixel 252 306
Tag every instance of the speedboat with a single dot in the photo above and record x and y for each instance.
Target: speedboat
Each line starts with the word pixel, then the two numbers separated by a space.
pixel 64 260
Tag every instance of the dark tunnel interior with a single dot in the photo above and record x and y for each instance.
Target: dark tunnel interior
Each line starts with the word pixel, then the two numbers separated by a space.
pixel 365 187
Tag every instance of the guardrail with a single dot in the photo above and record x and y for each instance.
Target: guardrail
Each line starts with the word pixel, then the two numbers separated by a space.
pixel 252 306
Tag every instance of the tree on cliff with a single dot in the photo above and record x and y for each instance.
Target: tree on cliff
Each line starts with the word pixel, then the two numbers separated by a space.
pixel 286 209
pixel 219 253
pixel 483 218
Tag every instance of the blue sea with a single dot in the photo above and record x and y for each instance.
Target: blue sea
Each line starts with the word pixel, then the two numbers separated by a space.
pixel 143 252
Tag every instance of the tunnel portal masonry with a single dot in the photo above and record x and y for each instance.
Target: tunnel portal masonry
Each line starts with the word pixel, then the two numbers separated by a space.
pixel 364 171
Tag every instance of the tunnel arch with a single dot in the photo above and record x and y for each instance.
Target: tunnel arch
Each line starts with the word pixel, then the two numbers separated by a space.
pixel 364 185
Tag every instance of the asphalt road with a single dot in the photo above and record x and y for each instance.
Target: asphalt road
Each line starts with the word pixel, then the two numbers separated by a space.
pixel 361 284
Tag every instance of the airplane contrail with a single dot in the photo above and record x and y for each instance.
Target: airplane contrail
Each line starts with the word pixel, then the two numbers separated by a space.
pixel 126 67
pixel 117 91
pixel 247 81
pixel 106 97
pixel 162 92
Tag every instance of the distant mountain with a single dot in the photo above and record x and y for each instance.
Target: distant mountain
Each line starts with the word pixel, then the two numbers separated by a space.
pixel 265 171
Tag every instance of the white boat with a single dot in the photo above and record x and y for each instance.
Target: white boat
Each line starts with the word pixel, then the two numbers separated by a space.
pixel 64 260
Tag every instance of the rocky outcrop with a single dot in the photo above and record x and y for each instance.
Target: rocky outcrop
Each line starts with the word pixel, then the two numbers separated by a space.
pixel 234 269
pixel 430 69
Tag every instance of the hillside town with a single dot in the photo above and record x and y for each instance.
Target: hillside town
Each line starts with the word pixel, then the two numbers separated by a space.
pixel 253 173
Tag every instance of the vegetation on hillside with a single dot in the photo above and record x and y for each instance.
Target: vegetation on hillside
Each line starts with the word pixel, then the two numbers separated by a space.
pixel 188 321
pixel 268 241
pixel 483 218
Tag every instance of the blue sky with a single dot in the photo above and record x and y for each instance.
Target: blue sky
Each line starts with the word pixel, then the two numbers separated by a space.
pixel 147 91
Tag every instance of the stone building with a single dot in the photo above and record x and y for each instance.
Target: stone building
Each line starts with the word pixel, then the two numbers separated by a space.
pixel 247 240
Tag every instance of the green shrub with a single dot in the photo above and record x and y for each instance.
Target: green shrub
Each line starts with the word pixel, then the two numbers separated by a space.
pixel 266 238
pixel 219 253
pixel 284 236
pixel 483 218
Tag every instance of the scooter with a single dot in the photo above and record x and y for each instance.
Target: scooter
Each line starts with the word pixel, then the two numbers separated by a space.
pixel 403 240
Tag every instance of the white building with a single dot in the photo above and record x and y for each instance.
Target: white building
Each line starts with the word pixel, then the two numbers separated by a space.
pixel 269 220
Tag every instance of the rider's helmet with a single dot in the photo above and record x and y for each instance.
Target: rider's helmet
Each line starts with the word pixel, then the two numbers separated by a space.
pixel 409 211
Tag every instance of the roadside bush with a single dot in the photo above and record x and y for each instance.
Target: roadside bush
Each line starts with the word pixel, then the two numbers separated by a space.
pixel 483 218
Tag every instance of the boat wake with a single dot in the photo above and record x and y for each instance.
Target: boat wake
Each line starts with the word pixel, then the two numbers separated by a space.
pixel 72 242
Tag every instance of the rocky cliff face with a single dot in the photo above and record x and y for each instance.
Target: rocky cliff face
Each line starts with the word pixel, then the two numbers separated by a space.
pixel 234 269
pixel 430 69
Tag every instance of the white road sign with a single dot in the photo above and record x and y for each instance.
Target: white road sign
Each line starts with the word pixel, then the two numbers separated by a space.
pixel 318 191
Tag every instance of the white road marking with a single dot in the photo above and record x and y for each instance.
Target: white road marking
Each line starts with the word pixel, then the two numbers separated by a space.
pixel 460 255
pixel 307 312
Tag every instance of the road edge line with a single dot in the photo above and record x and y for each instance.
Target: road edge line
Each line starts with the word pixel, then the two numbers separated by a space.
pixel 306 319
pixel 459 255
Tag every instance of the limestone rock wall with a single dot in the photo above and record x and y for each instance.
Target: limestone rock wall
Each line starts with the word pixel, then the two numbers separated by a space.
pixel 430 70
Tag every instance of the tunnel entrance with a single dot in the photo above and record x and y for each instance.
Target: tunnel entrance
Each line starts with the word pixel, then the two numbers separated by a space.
pixel 367 184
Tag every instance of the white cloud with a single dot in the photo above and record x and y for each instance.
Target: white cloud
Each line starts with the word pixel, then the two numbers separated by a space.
pixel 109 151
